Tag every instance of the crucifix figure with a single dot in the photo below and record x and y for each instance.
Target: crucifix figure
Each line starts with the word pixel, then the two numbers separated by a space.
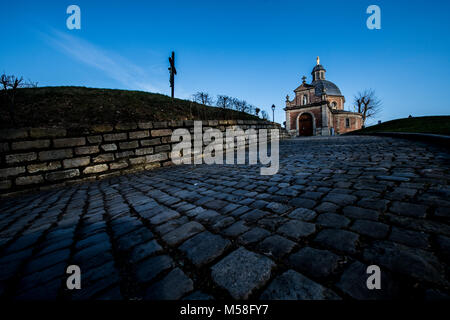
pixel 173 72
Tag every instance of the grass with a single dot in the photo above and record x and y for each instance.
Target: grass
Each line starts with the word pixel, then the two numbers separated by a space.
pixel 75 106
pixel 433 124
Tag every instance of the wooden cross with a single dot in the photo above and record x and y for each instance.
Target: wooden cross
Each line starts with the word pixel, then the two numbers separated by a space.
pixel 173 72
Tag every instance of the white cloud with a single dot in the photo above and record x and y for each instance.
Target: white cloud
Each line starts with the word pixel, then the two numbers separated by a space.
pixel 111 64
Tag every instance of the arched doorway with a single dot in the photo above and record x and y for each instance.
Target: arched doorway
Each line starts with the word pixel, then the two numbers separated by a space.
pixel 305 125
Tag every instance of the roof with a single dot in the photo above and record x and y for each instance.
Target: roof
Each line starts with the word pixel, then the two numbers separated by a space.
pixel 318 68
pixel 331 88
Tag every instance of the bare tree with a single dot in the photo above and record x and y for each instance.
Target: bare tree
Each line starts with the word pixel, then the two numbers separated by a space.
pixel 250 109
pixel 203 98
pixel 240 105
pixel 223 101
pixel 9 87
pixel 368 104
pixel 264 115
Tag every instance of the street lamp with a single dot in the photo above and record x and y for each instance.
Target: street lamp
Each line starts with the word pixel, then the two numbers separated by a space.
pixel 273 113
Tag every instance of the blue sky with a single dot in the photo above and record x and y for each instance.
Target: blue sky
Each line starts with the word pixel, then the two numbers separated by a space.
pixel 254 50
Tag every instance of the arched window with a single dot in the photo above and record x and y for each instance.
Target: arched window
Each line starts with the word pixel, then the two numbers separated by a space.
pixel 305 100
pixel 333 105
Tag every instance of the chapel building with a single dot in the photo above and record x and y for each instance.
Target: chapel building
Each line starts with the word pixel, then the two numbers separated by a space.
pixel 318 108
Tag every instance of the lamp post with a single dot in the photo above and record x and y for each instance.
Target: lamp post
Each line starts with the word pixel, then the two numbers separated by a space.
pixel 273 113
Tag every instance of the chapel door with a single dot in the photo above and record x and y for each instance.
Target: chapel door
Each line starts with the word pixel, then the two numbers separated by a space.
pixel 305 125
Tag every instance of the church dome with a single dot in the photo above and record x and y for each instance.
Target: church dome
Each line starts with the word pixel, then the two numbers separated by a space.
pixel 330 87
pixel 318 67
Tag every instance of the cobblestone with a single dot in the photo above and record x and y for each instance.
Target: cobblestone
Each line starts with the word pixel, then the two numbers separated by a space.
pixel 292 285
pixel 336 206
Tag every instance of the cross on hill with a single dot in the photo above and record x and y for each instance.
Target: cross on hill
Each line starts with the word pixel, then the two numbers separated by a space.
pixel 173 72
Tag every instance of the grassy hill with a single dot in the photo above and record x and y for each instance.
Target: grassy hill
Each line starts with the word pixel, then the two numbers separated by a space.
pixel 74 106
pixel 434 124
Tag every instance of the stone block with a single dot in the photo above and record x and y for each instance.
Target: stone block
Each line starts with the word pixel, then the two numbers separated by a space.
pixel 86 150
pixel 128 145
pixel 34 144
pixel 14 171
pixel 109 147
pixel 10 134
pixel 118 165
pixel 22 181
pixel 47 166
pixel 55 154
pixel 76 162
pixel 69 142
pixel 150 142
pixel 161 132
pixel 61 175
pixel 115 136
pixel 139 134
pixel 102 128
pixel 95 169
pixel 20 157
pixel 105 157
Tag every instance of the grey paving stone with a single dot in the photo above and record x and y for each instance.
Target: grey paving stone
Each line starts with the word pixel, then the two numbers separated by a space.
pixel 292 285
pixel 326 207
pixel 47 260
pixel 254 235
pixel 96 280
pixel 302 203
pixel 223 223
pixel 340 240
pixel 40 278
pixel 93 256
pixel 144 250
pixel 302 214
pixel 253 215
pixel 412 262
pixel 204 248
pixel 333 220
pixel 444 246
pixel 208 216
pixel 172 287
pixel 276 246
pixel 354 283
pixel 340 199
pixel 278 207
pixel 409 237
pixel 150 268
pixel 376 230
pixel 198 295
pixel 409 209
pixel 171 225
pixel 316 263
pixel 235 229
pixel 46 291
pixel 297 229
pixel 134 238
pixel 242 272
pixel 163 217
pixel 182 233
pixel 360 213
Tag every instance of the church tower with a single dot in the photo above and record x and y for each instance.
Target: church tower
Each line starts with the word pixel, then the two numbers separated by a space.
pixel 318 72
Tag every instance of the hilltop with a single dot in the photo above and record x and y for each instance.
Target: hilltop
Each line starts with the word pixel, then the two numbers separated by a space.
pixel 432 124
pixel 74 106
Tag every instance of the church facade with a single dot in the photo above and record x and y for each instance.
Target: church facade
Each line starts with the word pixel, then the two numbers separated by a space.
pixel 318 108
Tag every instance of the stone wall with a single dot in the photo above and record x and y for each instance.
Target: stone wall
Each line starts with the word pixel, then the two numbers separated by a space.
pixel 40 158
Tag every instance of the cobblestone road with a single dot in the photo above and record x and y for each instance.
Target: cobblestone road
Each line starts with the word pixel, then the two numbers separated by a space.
pixel 336 206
